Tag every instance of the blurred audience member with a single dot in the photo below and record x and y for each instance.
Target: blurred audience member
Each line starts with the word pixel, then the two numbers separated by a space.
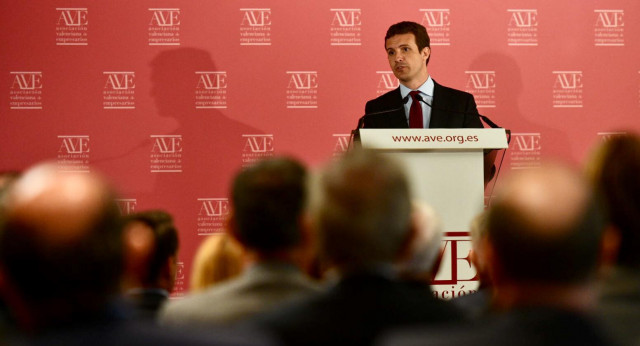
pixel 6 180
pixel 544 250
pixel 614 168
pixel 219 258
pixel 268 205
pixel 151 251
pixel 362 208
pixel 60 249
pixel 477 304
pixel 61 259
pixel 7 177
pixel 425 245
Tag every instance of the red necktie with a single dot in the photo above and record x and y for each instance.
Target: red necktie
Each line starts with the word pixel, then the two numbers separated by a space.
pixel 415 112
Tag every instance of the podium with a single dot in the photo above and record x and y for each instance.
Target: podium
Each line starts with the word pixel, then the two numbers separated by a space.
pixel 445 168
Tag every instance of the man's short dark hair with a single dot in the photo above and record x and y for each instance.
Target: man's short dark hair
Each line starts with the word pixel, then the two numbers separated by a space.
pixel 268 199
pixel 165 236
pixel 567 254
pixel 418 31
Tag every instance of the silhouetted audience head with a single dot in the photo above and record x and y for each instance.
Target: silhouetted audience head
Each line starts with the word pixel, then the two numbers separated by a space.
pixel 362 208
pixel 267 215
pixel 478 232
pixel 7 178
pixel 478 303
pixel 151 243
pixel 614 168
pixel 218 259
pixel 545 243
pixel 60 247
pixel 425 246
pixel 268 200
pixel 545 227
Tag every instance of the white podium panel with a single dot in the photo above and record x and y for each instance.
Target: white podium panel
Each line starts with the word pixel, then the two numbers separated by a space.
pixel 448 139
pixel 451 182
pixel 445 168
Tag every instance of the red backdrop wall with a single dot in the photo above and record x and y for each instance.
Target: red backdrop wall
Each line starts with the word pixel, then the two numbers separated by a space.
pixel 169 98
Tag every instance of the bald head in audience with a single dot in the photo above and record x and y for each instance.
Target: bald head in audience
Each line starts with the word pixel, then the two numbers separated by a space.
pixel 545 229
pixel 60 247
pixel 544 246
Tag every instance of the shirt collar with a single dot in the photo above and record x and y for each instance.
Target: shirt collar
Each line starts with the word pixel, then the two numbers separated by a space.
pixel 426 88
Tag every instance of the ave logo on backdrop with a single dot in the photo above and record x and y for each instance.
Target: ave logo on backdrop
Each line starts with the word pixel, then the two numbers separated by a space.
pixel 257 147
pixel 341 143
pixel 387 81
pixel 211 90
pixel 526 151
pixel 166 154
pixel 522 29
pixel 438 24
pixel 527 141
pixel 26 80
pixel 258 144
pixel 127 205
pixel 482 84
pixel 179 285
pixel 567 89
pixel 26 90
pixel 302 89
pixel 256 17
pixel 456 275
pixel 346 27
pixel 255 27
pixel 72 26
pixel 73 153
pixel 119 90
pixel 605 136
pixel 212 215
pixel 609 28
pixel 164 26
pixel 73 16
pixel 74 144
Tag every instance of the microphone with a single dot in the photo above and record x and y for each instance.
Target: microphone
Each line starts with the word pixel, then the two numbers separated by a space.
pixel 484 118
pixel 490 171
pixel 361 120
pixel 355 134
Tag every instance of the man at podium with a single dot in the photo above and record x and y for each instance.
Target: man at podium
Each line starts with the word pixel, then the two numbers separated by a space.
pixel 419 102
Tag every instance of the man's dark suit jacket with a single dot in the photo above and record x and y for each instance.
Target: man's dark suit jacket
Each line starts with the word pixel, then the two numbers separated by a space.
pixel 355 311
pixel 527 326
pixel 146 302
pixel 450 109
pixel 112 327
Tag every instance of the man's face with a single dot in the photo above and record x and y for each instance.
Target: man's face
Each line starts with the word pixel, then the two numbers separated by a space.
pixel 406 61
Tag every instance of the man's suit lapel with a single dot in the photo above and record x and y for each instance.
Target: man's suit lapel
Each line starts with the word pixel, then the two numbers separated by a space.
pixel 389 114
pixel 400 114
